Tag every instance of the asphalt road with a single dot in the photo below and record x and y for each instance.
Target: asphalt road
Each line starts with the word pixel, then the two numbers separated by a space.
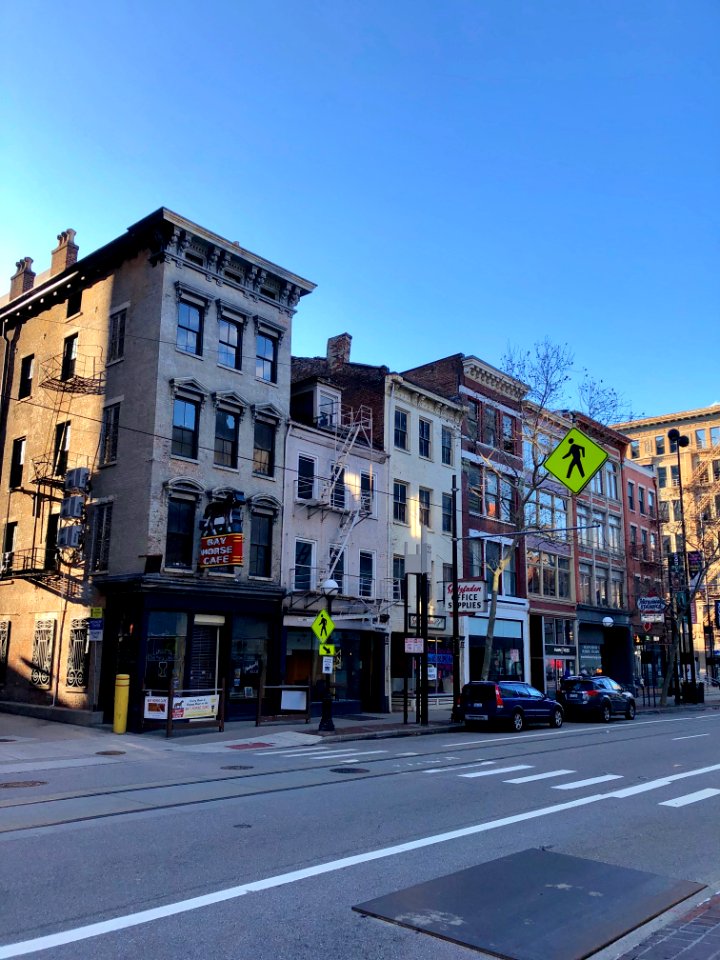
pixel 172 854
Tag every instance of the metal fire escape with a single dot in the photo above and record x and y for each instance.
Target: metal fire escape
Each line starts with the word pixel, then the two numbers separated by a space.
pixel 65 377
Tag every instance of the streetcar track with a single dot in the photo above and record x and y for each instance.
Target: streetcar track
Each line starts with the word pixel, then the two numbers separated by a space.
pixel 555 745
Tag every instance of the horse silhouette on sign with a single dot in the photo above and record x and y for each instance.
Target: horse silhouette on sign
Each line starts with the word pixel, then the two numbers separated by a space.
pixel 218 515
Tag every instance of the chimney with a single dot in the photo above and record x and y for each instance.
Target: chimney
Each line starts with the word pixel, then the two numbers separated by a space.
pixel 23 278
pixel 65 253
pixel 338 351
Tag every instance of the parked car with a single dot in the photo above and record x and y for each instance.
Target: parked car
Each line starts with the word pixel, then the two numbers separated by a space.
pixel 597 697
pixel 510 701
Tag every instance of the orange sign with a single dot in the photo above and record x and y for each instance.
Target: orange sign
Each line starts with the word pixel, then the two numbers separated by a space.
pixel 222 550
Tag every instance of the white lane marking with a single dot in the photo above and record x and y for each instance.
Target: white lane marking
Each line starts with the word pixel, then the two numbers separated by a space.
pixel 539 776
pixel 693 737
pixel 492 773
pixel 577 784
pixel 49 941
pixel 690 798
pixel 460 766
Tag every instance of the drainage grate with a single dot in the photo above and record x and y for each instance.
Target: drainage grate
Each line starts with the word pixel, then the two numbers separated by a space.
pixel 349 770
pixel 22 783
pixel 236 766
pixel 7 740
pixel 242 826
pixel 109 753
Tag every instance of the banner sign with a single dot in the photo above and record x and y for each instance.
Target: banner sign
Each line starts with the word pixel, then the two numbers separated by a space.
pixel 224 550
pixel 472 596
pixel 184 708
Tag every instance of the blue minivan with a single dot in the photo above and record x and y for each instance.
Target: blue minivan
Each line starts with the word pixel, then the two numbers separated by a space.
pixel 512 701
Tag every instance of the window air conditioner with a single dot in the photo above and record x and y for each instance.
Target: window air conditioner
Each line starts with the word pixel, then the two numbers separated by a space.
pixel 77 479
pixel 72 508
pixel 70 536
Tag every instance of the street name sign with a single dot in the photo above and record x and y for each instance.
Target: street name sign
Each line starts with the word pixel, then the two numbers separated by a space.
pixel 322 626
pixel 651 605
pixel 575 460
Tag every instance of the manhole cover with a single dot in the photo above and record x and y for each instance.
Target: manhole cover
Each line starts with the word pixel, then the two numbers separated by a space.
pixel 22 783
pixel 109 753
pixel 349 770
pixel 236 766
pixel 242 826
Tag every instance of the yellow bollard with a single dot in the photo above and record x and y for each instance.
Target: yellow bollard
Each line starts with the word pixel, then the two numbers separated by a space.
pixel 122 694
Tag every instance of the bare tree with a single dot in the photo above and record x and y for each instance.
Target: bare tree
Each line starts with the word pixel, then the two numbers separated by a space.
pixel 603 402
pixel 546 370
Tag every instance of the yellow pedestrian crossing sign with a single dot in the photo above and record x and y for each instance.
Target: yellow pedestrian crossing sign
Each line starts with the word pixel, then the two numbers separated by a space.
pixel 322 627
pixel 575 460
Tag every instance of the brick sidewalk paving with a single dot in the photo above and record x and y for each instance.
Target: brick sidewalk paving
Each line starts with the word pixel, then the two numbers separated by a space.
pixel 696 936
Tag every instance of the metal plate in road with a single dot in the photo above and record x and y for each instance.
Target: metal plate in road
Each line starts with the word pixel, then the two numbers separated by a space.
pixel 533 904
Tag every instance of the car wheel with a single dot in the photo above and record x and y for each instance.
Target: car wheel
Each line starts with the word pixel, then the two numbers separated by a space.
pixel 518 721
pixel 630 712
pixel 556 718
pixel 605 713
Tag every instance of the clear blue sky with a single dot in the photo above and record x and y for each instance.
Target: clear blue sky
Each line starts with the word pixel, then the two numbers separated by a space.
pixel 454 175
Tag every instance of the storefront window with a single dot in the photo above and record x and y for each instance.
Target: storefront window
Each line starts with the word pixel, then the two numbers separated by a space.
pixel 248 648
pixel 167 639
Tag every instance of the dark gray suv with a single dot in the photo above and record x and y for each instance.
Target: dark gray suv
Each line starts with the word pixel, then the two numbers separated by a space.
pixel 598 697
pixel 483 701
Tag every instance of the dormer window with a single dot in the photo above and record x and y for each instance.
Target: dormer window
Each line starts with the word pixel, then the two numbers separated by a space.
pixel 328 408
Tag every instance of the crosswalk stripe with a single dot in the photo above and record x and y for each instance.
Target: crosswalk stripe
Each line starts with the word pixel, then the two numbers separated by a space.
pixel 690 798
pixel 460 766
pixel 539 776
pixel 492 773
pixel 577 784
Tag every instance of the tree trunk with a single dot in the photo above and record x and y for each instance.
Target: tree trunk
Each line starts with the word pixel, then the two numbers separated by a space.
pixel 490 637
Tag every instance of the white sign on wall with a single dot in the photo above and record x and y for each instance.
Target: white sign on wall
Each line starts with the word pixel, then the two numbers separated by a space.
pixel 472 596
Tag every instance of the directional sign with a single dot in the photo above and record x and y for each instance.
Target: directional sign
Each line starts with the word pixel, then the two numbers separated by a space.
pixel 650 604
pixel 327 650
pixel 575 460
pixel 322 626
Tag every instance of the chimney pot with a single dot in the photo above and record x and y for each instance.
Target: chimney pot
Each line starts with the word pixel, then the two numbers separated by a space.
pixel 23 278
pixel 65 253
pixel 338 351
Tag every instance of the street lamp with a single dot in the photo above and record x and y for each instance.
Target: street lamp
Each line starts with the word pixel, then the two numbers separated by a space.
pixel 681 440
pixel 329 590
pixel 608 622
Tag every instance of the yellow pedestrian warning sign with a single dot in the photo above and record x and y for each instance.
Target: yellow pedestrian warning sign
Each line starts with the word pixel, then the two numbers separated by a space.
pixel 575 460
pixel 327 650
pixel 322 627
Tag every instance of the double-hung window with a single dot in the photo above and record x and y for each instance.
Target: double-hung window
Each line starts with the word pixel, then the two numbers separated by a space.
pixel 227 424
pixel 110 433
pixel 26 376
pixel 446 446
pixel 229 343
pixel 424 438
pixel 304 551
pixel 474 486
pixel 367 574
pixel 261 545
pixel 398 578
pixel 400 492
pixel 264 449
pixel 180 533
pixel 116 345
pixel 401 430
pixel 61 449
pixel 69 357
pixel 266 357
pixel 367 492
pixel 447 505
pixel 186 427
pixel 489 426
pixel 17 461
pixel 189 337
pixel 424 498
pixel 306 478
pixel 339 492
pixel 101 527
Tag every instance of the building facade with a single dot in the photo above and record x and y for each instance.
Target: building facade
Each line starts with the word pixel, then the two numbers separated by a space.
pixel 146 392
pixel 688 487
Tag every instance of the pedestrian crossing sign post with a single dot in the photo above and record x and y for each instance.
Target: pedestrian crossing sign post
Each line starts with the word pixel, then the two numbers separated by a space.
pixel 322 627
pixel 575 460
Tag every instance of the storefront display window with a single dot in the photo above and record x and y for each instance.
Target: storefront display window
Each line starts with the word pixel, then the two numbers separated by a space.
pixel 166 643
pixel 248 650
